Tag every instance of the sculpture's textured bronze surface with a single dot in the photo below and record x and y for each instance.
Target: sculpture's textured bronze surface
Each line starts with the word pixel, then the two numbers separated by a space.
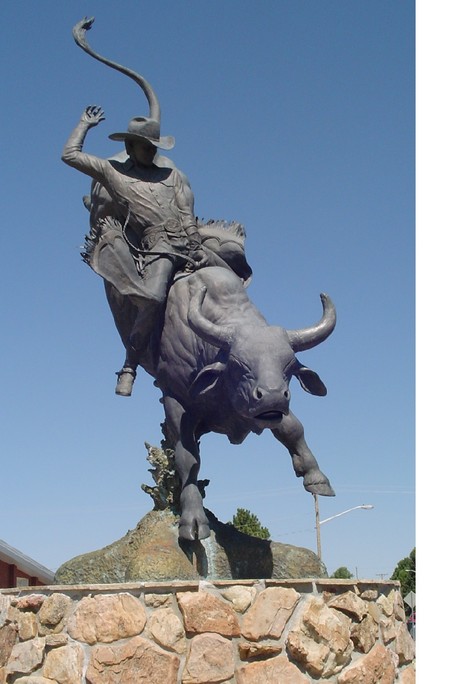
pixel 177 291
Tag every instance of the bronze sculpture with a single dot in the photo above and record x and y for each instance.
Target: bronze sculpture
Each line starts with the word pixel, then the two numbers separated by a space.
pixel 176 289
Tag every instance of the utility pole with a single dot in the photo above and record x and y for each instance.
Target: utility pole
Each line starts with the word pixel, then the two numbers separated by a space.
pixel 317 525
pixel 319 522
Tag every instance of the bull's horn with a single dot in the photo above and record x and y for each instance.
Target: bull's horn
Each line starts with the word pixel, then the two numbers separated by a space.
pixel 217 335
pixel 79 35
pixel 306 338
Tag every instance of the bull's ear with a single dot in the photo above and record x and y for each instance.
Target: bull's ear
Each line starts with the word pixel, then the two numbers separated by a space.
pixel 310 381
pixel 206 379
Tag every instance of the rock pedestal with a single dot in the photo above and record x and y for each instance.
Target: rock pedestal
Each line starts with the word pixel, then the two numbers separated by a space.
pixel 153 552
pixel 238 632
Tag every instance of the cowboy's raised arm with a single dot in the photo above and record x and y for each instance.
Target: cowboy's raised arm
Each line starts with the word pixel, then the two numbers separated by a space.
pixel 72 152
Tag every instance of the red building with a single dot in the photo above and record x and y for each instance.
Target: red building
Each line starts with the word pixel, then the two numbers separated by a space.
pixel 18 570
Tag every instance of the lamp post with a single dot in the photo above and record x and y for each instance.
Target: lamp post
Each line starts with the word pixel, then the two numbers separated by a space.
pixel 319 522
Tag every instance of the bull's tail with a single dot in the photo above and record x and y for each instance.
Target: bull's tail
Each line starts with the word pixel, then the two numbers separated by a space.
pixel 79 35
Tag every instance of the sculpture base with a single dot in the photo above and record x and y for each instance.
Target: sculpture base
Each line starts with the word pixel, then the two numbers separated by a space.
pixel 153 552
pixel 248 631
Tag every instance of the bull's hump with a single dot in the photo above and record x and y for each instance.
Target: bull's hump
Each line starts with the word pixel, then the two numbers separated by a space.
pixel 221 280
pixel 221 285
pixel 225 302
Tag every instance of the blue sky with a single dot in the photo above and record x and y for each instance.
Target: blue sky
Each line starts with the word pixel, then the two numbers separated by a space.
pixel 295 118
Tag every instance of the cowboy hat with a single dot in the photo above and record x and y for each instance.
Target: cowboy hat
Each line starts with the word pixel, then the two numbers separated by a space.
pixel 145 129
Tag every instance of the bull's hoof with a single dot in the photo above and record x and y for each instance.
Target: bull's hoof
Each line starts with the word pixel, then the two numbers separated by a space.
pixel 194 531
pixel 317 483
pixel 321 489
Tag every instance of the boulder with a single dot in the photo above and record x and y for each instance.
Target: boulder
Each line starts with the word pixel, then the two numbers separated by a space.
pixel 152 552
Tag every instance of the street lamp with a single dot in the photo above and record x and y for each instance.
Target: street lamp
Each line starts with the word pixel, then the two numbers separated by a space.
pixel 319 522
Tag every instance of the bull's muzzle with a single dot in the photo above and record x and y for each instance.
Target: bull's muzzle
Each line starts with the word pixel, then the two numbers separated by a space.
pixel 270 416
pixel 270 405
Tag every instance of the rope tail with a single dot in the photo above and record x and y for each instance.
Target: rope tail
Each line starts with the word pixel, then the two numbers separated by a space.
pixel 79 35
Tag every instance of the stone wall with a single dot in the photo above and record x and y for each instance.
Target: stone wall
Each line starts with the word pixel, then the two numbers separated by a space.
pixel 244 632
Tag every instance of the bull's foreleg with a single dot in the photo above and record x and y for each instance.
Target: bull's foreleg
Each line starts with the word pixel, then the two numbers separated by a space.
pixel 193 522
pixel 291 435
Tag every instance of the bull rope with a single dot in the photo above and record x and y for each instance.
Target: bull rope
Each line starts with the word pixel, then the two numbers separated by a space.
pixel 146 252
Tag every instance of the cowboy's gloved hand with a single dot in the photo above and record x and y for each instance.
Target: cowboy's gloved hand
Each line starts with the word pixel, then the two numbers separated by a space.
pixel 194 239
pixel 196 250
pixel 92 116
pixel 198 254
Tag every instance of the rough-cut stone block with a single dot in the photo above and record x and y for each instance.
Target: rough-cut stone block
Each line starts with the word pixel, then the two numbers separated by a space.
pixel 107 618
pixel 54 609
pixel 262 649
pixel 404 645
pixel 399 612
pixel 8 637
pixel 26 657
pixel 388 628
pixel 240 597
pixel 312 655
pixel 369 594
pixel 157 600
pixel 375 612
pixel 210 660
pixel 274 671
pixel 56 640
pixel 12 614
pixel 322 641
pixel 167 630
pixel 377 667
pixel 27 626
pixel 204 612
pixel 32 603
pixel 350 604
pixel 364 634
pixel 65 664
pixel 52 614
pixel 387 603
pixel 137 661
pixel 267 617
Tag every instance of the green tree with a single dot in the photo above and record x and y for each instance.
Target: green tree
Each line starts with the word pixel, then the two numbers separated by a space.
pixel 248 523
pixel 405 573
pixel 342 573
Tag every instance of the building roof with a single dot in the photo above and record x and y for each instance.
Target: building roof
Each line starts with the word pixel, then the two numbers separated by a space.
pixel 13 556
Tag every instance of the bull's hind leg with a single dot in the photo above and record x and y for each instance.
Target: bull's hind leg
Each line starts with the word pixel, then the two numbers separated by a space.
pixel 291 434
pixel 193 522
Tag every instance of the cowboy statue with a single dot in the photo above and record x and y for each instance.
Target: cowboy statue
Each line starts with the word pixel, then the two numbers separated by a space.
pixel 143 229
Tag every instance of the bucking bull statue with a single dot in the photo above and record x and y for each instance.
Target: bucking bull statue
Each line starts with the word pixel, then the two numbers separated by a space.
pixel 220 366
pixel 223 369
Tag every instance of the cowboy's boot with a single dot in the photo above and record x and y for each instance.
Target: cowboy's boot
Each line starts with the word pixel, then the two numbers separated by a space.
pixel 125 380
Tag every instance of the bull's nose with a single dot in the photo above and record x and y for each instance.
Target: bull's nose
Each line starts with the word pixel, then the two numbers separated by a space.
pixel 258 393
pixel 261 393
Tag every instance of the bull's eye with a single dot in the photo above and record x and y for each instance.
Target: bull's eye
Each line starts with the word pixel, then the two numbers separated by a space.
pixel 239 366
pixel 289 369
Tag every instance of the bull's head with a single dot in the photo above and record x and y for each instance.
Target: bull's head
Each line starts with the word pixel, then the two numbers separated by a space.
pixel 261 361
